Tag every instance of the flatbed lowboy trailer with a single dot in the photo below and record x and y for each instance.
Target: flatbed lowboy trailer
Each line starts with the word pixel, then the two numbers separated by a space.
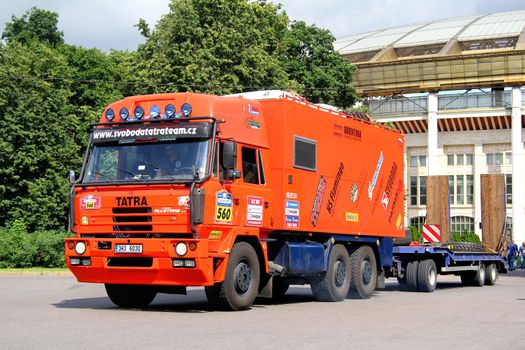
pixel 417 266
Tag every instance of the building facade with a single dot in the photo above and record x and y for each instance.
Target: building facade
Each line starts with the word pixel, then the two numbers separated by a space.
pixel 454 87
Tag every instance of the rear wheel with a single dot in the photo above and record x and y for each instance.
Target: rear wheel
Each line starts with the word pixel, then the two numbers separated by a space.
pixel 130 295
pixel 364 272
pixel 491 275
pixel 427 276
pixel 411 275
pixel 241 283
pixel 333 284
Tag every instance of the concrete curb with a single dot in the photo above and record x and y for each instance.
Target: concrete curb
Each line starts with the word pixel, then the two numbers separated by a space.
pixel 36 273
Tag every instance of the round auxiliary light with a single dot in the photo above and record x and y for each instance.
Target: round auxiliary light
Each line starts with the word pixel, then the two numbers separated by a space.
pixel 181 249
pixel 80 248
pixel 154 111
pixel 124 113
pixel 169 110
pixel 110 114
pixel 138 112
pixel 185 109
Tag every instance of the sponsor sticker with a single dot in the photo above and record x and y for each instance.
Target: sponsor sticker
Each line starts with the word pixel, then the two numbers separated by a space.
pixel 89 202
pixel 254 208
pixel 332 197
pixel 398 221
pixel 215 235
pixel 291 213
pixel 372 184
pixel 184 201
pixel 291 195
pixel 354 193
pixel 352 217
pixel 318 201
pixel 223 207
pixel 253 110
pixel 85 220
pixel 166 210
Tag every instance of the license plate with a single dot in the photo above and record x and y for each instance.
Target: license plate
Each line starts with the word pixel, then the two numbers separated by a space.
pixel 128 248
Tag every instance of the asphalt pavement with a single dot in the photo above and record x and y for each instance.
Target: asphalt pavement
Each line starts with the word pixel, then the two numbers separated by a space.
pixel 56 312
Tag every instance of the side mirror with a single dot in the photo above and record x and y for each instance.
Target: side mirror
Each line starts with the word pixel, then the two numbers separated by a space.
pixel 229 155
pixel 71 175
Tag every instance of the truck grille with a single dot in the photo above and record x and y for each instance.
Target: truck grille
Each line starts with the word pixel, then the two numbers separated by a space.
pixel 130 221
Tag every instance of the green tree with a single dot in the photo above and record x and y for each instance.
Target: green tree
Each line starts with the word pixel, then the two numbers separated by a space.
pixel 35 24
pixel 216 46
pixel 35 135
pixel 308 56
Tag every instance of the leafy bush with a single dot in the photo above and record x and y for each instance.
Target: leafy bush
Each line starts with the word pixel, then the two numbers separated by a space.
pixel 19 249
pixel 417 235
pixel 465 236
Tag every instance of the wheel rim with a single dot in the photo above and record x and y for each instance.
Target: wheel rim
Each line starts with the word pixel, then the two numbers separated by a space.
pixel 366 268
pixel 340 273
pixel 243 278
pixel 492 273
pixel 432 277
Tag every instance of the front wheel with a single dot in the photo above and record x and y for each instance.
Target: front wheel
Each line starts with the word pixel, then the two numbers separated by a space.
pixel 130 295
pixel 427 276
pixel 241 283
pixel 333 285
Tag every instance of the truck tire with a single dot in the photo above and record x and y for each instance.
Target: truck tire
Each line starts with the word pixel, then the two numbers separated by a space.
pixel 333 284
pixel 241 283
pixel 479 276
pixel 364 272
pixel 411 275
pixel 130 295
pixel 427 276
pixel 491 275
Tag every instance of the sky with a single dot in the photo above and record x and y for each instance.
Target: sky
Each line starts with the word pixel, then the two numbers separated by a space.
pixel 107 24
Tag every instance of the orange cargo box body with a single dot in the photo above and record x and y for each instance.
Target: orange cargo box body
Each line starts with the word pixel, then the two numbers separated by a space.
pixel 333 174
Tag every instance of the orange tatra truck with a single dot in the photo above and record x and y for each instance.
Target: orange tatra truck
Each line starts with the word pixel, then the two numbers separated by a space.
pixel 243 194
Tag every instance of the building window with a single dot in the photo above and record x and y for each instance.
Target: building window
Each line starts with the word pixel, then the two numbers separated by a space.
pixel 494 158
pixel 418 190
pixel 508 188
pixel 418 222
pixel 461 189
pixel 460 159
pixel 461 224
pixel 418 161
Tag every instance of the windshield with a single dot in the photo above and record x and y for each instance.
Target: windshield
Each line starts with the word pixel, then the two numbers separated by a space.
pixel 172 160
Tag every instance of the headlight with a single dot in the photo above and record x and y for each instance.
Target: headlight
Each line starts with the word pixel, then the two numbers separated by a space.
pixel 169 110
pixel 185 109
pixel 80 248
pixel 124 113
pixel 154 111
pixel 181 249
pixel 110 114
pixel 139 112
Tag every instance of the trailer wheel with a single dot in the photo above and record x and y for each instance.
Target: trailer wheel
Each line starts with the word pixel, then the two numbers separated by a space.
pixel 241 283
pixel 491 275
pixel 130 295
pixel 333 285
pixel 479 276
pixel 411 275
pixel 364 272
pixel 427 276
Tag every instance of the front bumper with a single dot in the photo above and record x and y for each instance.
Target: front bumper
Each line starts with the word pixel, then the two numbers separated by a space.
pixel 154 266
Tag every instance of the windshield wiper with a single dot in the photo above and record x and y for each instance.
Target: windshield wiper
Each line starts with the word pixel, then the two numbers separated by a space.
pixel 135 176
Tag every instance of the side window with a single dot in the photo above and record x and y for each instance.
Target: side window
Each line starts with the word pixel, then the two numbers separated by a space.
pixel 250 171
pixel 304 153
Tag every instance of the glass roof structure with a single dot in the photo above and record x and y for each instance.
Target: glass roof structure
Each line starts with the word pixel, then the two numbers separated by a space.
pixel 500 30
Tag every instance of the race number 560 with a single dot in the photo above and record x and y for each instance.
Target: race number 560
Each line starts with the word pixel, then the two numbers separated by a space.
pixel 224 214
